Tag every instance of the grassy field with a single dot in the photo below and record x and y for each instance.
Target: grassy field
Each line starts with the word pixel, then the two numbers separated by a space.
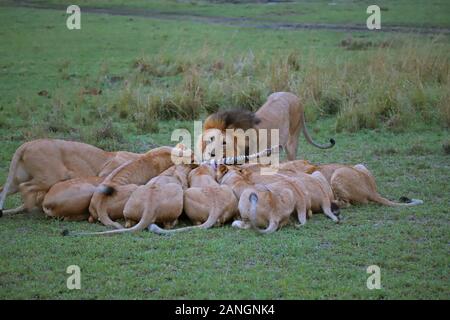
pixel 126 82
pixel 395 12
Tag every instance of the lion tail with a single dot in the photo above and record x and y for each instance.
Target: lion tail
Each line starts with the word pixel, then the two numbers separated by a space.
pixel 209 223
pixel 107 187
pixel 404 201
pixel 12 172
pixel 273 225
pixel 311 141
pixel 107 190
pixel 138 227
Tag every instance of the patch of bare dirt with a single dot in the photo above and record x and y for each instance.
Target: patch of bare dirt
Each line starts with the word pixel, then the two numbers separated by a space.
pixel 238 22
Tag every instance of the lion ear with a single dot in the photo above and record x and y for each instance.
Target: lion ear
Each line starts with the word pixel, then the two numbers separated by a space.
pixel 222 169
pixel 215 121
pixel 310 170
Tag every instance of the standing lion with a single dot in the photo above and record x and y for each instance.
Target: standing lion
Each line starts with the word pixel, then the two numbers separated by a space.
pixel 282 111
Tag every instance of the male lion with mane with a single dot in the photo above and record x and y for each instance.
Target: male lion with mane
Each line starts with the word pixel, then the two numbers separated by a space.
pixel 282 111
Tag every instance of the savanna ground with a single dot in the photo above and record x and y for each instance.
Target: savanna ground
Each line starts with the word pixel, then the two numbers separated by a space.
pixel 125 82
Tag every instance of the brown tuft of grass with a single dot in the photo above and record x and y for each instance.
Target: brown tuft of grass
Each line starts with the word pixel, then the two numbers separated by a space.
pixel 147 118
pixel 279 75
pixel 396 89
pixel 107 135
pixel 418 149
pixel 248 95
pixel 352 44
pixel 330 104
pixel 159 66
pixel 385 151
pixel 446 147
pixel 63 69
pixel 55 121
pixel 187 102
pixel 391 86
pixel 35 130
pixel 293 61
pixel 361 44
pixel 443 107
pixel 108 131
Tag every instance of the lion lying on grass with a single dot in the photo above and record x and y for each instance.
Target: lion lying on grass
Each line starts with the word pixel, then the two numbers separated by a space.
pixel 270 206
pixel 70 199
pixel 136 172
pixel 269 200
pixel 350 184
pixel 158 201
pixel 206 203
pixel 38 165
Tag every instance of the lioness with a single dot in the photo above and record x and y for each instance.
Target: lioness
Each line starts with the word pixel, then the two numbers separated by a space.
pixel 70 199
pixel 271 205
pixel 275 195
pixel 37 165
pixel 318 194
pixel 318 191
pixel 158 201
pixel 350 184
pixel 136 172
pixel 357 185
pixel 206 203
pixel 282 111
pixel 110 208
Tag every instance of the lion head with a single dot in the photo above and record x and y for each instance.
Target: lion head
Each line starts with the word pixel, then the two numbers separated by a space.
pixel 217 126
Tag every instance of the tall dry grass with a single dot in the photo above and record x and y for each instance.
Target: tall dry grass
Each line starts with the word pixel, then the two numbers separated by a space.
pixel 392 85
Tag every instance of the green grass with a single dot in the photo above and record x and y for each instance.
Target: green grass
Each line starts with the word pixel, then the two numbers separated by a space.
pixel 320 260
pixel 394 12
pixel 181 70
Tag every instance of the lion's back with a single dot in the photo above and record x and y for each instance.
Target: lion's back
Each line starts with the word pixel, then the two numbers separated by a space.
pixel 281 110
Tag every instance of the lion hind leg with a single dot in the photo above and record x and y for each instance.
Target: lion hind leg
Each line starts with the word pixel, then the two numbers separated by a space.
pixel 302 213
pixel 291 151
pixel 11 186
pixel 32 199
pixel 272 227
pixel 292 145
pixel 170 224
pixel 326 208
pixel 8 189
pixel 106 220
pixel 130 223
pixel 104 217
